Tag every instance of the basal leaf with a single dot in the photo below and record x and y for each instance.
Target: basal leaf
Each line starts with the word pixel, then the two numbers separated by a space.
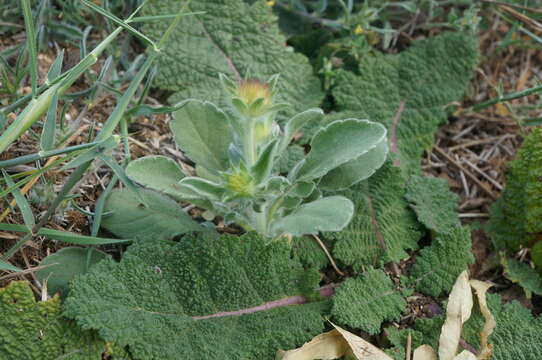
pixel 368 300
pixel 383 226
pixel 162 217
pixel 524 275
pixel 233 38
pixel 434 203
pixel 35 330
pixel 407 93
pixel 198 299
pixel 438 265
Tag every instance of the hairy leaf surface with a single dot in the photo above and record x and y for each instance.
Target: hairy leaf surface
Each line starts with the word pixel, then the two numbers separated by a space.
pixel 233 38
pixel 35 330
pixel 438 265
pixel 407 93
pixel 368 300
pixel 157 298
pixel 383 226
pixel 434 203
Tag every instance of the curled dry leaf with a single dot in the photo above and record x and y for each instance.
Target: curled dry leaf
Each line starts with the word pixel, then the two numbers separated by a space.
pixel 333 345
pixel 457 312
pixel 480 289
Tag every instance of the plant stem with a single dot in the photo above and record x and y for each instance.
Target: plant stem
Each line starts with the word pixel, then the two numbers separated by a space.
pixel 44 154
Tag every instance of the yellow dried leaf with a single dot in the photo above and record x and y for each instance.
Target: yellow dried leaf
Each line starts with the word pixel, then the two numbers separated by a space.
pixel 457 312
pixel 326 346
pixel 424 352
pixel 333 345
pixel 480 289
pixel 361 349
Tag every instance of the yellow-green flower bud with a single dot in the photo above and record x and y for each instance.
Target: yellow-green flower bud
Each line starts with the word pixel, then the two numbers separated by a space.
pixel 240 183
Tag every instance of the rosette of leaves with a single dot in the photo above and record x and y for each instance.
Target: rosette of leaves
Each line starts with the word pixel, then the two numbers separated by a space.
pixel 205 297
pixel 235 154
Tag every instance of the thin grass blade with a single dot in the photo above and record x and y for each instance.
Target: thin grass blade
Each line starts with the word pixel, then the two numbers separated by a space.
pixel 31 45
pixel 56 68
pixel 48 135
pixel 65 236
pixel 5 266
pixel 119 22
pixel 22 203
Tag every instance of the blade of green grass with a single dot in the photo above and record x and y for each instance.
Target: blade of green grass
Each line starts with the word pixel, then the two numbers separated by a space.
pixel 5 266
pixel 119 22
pixel 92 153
pixel 47 140
pixel 56 68
pixel 99 206
pixel 31 45
pixel 44 154
pixel 161 17
pixel 119 172
pixel 507 97
pixel 22 203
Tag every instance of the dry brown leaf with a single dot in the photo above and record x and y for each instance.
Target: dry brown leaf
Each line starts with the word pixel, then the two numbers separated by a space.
pixel 333 345
pixel 480 289
pixel 326 346
pixel 457 312
pixel 424 352
pixel 361 349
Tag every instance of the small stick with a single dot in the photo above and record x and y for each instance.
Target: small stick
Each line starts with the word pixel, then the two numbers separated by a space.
pixel 323 246
pixel 467 173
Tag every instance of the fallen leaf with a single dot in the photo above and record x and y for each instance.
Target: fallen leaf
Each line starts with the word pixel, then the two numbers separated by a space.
pixel 361 349
pixel 333 345
pixel 326 346
pixel 465 355
pixel 424 352
pixel 458 311
pixel 480 289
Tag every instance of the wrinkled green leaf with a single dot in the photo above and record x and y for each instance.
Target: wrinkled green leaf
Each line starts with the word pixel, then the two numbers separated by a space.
pixel 368 300
pixel 204 45
pixel 155 298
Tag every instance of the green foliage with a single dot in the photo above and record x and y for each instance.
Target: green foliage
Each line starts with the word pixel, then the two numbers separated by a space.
pixel 368 300
pixel 64 265
pixel 398 338
pixel 434 203
pixel 524 275
pixel 33 330
pixel 383 226
pixel 438 265
pixel 408 94
pixel 150 299
pixel 239 152
pixel 159 217
pixel 144 171
pixel 233 38
pixel 516 218
pixel 309 252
